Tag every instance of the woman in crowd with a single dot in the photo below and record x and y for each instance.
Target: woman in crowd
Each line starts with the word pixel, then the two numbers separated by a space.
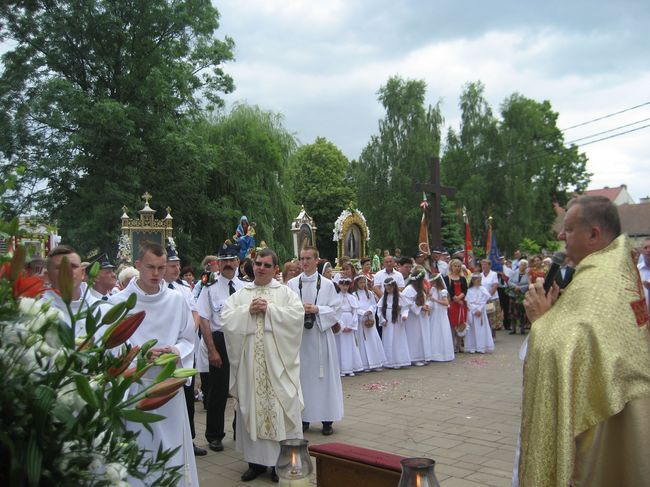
pixel 457 288
pixel 535 269
pixel 370 347
pixel 366 268
pixel 518 285
pixel 442 341
pixel 290 270
pixel 417 322
pixel 391 318
pixel 490 282
pixel 479 334
pixel 187 274
pixel 349 357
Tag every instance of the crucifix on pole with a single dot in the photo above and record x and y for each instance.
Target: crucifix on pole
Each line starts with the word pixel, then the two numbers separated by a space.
pixel 435 190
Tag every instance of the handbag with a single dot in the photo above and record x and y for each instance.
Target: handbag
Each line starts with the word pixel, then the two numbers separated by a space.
pixel 491 307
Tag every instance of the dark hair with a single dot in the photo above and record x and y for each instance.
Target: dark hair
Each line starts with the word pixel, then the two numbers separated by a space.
pixel 265 252
pixel 355 286
pixel 599 211
pixel 59 250
pixel 153 247
pixel 396 307
pixel 187 269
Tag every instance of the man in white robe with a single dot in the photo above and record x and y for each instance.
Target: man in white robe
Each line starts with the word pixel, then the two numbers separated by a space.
pixel 168 320
pixel 262 324
pixel 78 305
pixel 320 374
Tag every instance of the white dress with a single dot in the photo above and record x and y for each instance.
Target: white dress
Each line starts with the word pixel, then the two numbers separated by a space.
pixel 442 343
pixel 370 347
pixel 417 328
pixel 349 357
pixel 479 333
pixel 393 336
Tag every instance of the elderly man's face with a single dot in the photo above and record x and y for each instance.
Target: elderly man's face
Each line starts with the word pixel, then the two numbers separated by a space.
pixel 389 263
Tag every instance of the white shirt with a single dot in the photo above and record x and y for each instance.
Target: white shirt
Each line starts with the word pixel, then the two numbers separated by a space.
pixel 212 298
pixel 488 281
pixel 381 276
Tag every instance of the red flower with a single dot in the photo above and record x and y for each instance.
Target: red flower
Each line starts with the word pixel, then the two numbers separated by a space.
pixel 125 361
pixel 28 286
pixel 124 330
pixel 149 403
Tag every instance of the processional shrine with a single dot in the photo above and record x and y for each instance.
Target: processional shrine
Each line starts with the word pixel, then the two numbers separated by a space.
pixel 351 234
pixel 136 231
pixel 303 229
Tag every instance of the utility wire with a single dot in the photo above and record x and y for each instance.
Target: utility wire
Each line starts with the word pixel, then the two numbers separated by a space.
pixel 616 135
pixel 605 116
pixel 606 131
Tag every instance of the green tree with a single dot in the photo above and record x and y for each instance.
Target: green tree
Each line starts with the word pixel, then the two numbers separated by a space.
pixel 512 169
pixel 98 104
pixel 394 160
pixel 318 174
pixel 246 171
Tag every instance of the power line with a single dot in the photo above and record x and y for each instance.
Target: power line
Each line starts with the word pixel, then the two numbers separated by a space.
pixel 607 131
pixel 616 135
pixel 606 116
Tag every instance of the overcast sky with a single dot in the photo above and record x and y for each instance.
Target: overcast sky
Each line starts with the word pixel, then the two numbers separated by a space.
pixel 320 64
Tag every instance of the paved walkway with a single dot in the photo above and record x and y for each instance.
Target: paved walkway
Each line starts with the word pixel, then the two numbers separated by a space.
pixel 464 414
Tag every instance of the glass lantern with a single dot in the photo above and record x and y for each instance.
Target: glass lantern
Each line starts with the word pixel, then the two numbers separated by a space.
pixel 418 472
pixel 294 464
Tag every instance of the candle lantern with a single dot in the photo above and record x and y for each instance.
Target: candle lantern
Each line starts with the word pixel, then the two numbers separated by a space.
pixel 294 464
pixel 418 472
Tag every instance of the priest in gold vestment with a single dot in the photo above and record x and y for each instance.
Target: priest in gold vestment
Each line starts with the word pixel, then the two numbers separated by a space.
pixel 586 397
pixel 262 326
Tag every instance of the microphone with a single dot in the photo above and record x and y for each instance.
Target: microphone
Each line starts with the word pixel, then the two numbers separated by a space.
pixel 557 261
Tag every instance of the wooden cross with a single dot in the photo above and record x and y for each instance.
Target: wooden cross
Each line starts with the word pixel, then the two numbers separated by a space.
pixel 436 191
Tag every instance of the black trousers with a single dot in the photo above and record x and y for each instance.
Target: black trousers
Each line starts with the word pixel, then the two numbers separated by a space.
pixel 218 392
pixel 189 400
pixel 504 301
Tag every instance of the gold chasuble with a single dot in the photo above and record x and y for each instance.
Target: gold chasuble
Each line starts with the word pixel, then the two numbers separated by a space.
pixel 586 397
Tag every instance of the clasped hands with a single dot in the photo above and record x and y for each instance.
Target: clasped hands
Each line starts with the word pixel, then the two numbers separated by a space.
pixel 258 305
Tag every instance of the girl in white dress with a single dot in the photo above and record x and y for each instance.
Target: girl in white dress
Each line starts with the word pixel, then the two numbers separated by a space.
pixel 442 342
pixel 479 334
pixel 417 322
pixel 349 357
pixel 392 313
pixel 370 347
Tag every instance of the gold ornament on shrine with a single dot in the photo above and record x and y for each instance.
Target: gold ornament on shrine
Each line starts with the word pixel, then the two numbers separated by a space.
pixel 135 231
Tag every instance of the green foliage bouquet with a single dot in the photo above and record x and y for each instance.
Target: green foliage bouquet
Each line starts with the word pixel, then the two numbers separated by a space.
pixel 65 401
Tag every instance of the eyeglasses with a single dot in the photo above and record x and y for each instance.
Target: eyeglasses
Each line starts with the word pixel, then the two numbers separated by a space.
pixel 263 264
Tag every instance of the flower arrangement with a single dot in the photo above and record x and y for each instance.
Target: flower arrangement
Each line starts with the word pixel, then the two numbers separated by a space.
pixel 124 253
pixel 65 401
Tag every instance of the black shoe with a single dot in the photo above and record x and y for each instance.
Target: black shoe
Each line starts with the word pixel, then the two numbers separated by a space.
pixel 216 445
pixel 523 332
pixel 327 429
pixel 252 473
pixel 305 427
pixel 200 452
pixel 513 332
pixel 274 475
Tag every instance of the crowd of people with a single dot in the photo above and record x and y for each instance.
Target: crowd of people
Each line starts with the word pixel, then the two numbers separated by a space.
pixel 278 342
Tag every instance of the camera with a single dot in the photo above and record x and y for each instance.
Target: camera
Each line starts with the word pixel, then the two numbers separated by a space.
pixel 310 319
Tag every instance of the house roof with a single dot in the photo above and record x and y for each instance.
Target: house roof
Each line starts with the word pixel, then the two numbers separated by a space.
pixel 609 193
pixel 635 219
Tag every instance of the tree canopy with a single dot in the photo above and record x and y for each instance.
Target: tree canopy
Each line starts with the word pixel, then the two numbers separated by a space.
pixel 98 99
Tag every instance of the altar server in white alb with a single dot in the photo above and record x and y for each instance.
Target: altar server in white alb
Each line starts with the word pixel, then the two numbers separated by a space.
pixel 262 324
pixel 349 356
pixel 319 361
pixel 370 346
pixel 479 334
pixel 168 320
